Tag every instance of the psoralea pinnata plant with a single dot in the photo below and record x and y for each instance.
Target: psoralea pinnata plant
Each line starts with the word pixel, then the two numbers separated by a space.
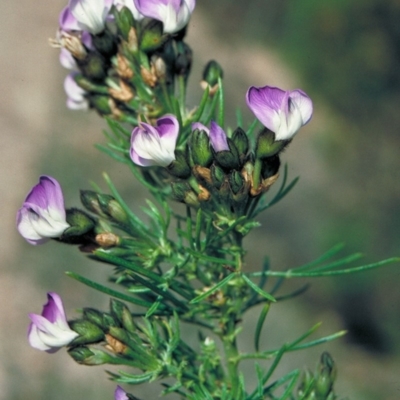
pixel 129 62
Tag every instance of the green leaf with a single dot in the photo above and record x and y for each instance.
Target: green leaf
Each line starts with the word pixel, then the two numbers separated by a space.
pixel 257 289
pixel 108 291
pixel 216 260
pixel 319 341
pixel 221 104
pixel 260 324
pixel 209 292
pixel 112 154
pixel 131 379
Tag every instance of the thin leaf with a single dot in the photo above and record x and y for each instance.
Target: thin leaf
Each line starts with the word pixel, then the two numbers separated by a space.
pixel 209 292
pixel 319 341
pixel 216 260
pixel 257 289
pixel 132 379
pixel 108 291
pixel 221 104
pixel 112 154
pixel 260 324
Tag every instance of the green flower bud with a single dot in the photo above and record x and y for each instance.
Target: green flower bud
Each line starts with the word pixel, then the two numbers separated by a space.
pixel 228 159
pixel 212 72
pixel 152 36
pixel 183 61
pixel 241 141
pixel 200 148
pixel 267 146
pixel 124 21
pixel 104 42
pixel 80 223
pixel 179 167
pixel 121 312
pixel 89 86
pixel 236 181
pixel 88 332
pixel 179 190
pixel 84 355
pixel 101 103
pixel 217 176
pixel 94 316
pixel 90 201
pixel 93 66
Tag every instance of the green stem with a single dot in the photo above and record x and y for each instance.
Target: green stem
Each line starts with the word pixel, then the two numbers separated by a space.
pixel 257 173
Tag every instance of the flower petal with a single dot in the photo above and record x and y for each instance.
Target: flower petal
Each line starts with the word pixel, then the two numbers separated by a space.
pixel 120 394
pixel 218 138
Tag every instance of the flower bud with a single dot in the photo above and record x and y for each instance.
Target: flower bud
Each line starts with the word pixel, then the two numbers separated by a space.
pixel 241 141
pixel 212 72
pixel 104 42
pixel 94 316
pixel 88 332
pixel 200 148
pixel 107 240
pixel 152 36
pixel 325 376
pixel 112 208
pixel 121 312
pixel 89 86
pixel 84 355
pixel 267 146
pixel 217 176
pixel 228 159
pixel 101 103
pixel 183 61
pixel 236 181
pixel 124 21
pixel 90 201
pixel 179 167
pixel 80 223
pixel 93 66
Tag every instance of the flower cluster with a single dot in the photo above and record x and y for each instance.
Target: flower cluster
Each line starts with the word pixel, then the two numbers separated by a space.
pixel 117 51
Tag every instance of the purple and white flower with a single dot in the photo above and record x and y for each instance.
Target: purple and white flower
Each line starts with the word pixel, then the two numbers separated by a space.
pixel 50 330
pixel 90 15
pixel 218 138
pixel 155 145
pixel 174 14
pixel 76 99
pixel 120 394
pixel 42 216
pixel 282 112
pixel 131 5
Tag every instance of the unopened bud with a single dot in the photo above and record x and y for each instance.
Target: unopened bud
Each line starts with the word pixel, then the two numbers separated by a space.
pixel 152 36
pixel 84 355
pixel 104 42
pixel 212 72
pixel 90 201
pixel 94 316
pixel 183 61
pixel 101 103
pixel 241 141
pixel 88 332
pixel 179 190
pixel 267 146
pixel 93 66
pixel 236 181
pixel 200 148
pixel 204 194
pixel 160 68
pixel 217 176
pixel 80 223
pixel 179 167
pixel 124 21
pixel 121 312
pixel 202 173
pixel 228 159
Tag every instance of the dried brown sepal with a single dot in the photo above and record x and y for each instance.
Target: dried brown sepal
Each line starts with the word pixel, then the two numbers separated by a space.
pixel 149 76
pixel 212 89
pixel 203 173
pixel 123 68
pixel 204 194
pixel 107 240
pixel 115 345
pixel 124 93
pixel 264 186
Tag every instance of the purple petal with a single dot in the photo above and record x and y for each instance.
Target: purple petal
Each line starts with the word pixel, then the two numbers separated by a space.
pixel 67 60
pixel 200 127
pixel 53 310
pixel 47 194
pixel 76 95
pixel 131 5
pixel 67 21
pixel 155 145
pixel 120 394
pixel 265 103
pixel 218 138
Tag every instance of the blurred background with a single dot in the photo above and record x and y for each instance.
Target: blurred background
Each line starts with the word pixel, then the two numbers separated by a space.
pixel 346 55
